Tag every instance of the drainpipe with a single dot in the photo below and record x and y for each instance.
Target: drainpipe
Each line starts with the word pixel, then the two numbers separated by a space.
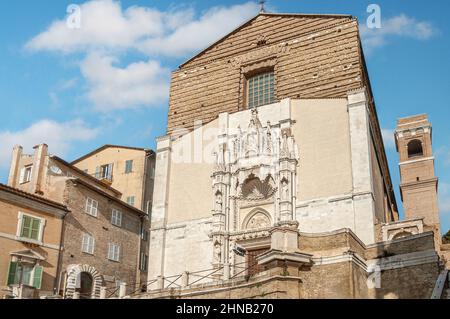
pixel 57 282
pixel 144 184
pixel 138 268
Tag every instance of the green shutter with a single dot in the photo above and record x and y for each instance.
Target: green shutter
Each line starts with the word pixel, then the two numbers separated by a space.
pixel 26 227
pixel 37 279
pixel 35 225
pixel 11 273
pixel 30 227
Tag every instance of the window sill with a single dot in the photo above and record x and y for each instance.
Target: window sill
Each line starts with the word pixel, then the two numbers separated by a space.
pixel 29 241
pixel 114 261
pixel 86 253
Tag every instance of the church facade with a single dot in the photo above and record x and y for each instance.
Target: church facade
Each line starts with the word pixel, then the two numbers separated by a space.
pixel 272 137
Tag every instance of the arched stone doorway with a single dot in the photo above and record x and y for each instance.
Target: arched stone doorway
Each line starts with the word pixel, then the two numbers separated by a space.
pixel 83 279
pixel 86 285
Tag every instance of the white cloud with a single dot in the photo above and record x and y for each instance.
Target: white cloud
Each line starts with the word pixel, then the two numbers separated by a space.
pixel 108 31
pixel 59 136
pixel 443 154
pixel 67 84
pixel 398 26
pixel 197 34
pixel 106 26
pixel 388 137
pixel 444 198
pixel 103 25
pixel 112 87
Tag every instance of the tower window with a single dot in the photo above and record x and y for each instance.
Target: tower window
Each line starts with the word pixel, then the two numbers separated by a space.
pixel 415 148
pixel 261 89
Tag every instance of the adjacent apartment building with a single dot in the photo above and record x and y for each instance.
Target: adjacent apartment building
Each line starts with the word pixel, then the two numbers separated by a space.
pixel 104 239
pixel 127 169
pixel 30 243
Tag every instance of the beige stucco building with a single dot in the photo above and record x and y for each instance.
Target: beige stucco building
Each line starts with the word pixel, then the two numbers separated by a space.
pixel 274 144
pixel 104 241
pixel 127 169
pixel 30 243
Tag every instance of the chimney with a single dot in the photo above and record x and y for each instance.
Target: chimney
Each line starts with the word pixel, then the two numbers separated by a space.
pixel 14 168
pixel 40 155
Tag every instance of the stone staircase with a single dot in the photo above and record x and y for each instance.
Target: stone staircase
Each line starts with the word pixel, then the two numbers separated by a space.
pixel 447 292
pixel 441 284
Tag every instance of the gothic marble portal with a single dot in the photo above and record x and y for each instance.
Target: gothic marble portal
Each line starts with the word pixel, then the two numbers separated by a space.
pixel 254 183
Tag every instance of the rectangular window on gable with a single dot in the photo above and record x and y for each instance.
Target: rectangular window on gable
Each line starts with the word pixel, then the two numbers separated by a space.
pixel 128 167
pixel 25 174
pixel 261 89
pixel 130 200
pixel 106 172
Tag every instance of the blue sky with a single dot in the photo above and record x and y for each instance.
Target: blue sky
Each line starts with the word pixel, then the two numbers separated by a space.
pixel 108 82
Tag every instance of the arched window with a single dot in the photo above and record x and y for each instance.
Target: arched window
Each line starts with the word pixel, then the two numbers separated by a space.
pixel 86 285
pixel 415 148
pixel 402 234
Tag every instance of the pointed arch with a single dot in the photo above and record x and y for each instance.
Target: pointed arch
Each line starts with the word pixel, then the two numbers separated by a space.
pixel 257 218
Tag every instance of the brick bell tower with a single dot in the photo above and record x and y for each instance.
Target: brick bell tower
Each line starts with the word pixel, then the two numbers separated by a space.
pixel 419 184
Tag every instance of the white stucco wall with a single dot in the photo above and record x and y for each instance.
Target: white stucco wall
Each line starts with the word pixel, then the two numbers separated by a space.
pixel 334 179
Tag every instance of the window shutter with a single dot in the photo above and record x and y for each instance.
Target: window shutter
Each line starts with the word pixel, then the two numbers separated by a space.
pixel 37 279
pixel 35 228
pixel 92 245
pixel 22 175
pixel 11 273
pixel 97 172
pixel 109 251
pixel 110 172
pixel 95 208
pixel 119 218
pixel 83 243
pixel 26 227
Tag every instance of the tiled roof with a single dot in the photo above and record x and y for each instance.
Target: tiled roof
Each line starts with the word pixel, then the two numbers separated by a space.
pixel 93 179
pixel 32 197
pixel 110 146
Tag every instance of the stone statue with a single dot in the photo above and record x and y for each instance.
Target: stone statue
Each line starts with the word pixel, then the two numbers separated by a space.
pixel 217 252
pixel 284 189
pixel 219 202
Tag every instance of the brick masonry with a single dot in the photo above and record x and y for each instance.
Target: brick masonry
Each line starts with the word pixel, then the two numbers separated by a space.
pixel 343 278
pixel 128 236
